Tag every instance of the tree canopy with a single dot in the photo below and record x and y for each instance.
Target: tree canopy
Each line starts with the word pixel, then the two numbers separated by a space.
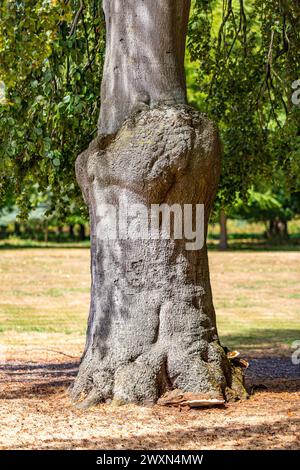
pixel 242 59
pixel 248 57
pixel 51 55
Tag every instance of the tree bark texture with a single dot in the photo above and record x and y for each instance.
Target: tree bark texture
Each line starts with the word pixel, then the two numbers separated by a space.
pixel 144 59
pixel 152 325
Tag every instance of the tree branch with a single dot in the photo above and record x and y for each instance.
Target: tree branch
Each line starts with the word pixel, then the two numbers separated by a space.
pixel 76 19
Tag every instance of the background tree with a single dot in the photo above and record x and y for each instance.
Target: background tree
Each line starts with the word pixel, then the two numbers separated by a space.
pixel 248 57
pixel 275 206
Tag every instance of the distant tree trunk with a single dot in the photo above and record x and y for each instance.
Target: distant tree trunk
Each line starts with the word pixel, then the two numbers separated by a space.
pixel 82 232
pixel 17 229
pixel 46 232
pixel 71 232
pixel 223 245
pixel 278 230
pixel 3 232
pixel 152 325
pixel 59 232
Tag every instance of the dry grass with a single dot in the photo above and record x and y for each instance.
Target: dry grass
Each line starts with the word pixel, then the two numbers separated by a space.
pixel 47 291
pixel 44 295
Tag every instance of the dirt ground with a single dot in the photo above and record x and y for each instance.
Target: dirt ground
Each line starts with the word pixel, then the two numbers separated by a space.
pixel 257 299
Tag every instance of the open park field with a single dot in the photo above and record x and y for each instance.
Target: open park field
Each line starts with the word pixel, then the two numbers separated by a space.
pixel 44 297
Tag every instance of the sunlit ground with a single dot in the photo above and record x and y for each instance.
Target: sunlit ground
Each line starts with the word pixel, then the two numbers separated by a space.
pixel 46 292
pixel 44 297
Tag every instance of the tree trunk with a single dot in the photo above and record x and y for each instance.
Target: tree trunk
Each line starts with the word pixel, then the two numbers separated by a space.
pixel 46 231
pixel 278 230
pixel 71 231
pixel 82 232
pixel 152 325
pixel 3 232
pixel 59 232
pixel 144 59
pixel 17 229
pixel 223 245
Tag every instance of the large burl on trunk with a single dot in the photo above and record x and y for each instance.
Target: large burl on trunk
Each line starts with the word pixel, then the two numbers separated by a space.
pixel 152 326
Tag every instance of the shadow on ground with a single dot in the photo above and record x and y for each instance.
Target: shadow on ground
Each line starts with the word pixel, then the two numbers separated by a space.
pixel 261 340
pixel 252 436
pixel 44 246
pixel 233 245
pixel 21 380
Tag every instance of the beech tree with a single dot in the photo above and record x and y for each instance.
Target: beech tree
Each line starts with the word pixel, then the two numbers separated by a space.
pixel 152 325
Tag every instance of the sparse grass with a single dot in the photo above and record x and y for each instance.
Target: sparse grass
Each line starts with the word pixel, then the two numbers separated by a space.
pixel 44 297
pixel 257 299
pixel 46 292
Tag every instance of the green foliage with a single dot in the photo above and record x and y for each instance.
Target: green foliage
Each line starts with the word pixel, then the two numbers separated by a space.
pixel 51 55
pixel 243 57
pixel 267 205
pixel 247 54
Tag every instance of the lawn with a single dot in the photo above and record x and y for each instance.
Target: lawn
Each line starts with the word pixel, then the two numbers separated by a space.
pixel 44 297
pixel 256 295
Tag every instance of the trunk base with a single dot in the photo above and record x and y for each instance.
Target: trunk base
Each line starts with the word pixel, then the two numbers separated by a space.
pixel 146 379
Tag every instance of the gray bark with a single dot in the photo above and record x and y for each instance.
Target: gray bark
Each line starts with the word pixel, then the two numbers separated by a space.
pixel 152 324
pixel 144 58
